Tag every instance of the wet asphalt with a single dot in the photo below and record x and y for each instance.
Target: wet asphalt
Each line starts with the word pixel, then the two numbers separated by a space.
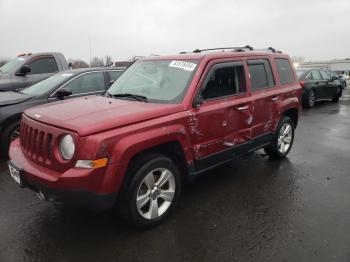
pixel 252 209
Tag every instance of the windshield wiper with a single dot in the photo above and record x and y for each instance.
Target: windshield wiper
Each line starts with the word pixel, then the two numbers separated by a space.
pixel 133 96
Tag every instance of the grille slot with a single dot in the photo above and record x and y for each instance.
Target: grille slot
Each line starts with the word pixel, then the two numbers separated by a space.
pixel 36 144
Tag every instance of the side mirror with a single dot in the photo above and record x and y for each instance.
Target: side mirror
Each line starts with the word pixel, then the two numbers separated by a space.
pixel 63 92
pixel 25 69
pixel 198 101
pixel 111 82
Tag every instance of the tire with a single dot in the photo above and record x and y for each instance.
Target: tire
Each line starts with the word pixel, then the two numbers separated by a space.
pixel 310 99
pixel 9 133
pixel 151 209
pixel 337 95
pixel 282 142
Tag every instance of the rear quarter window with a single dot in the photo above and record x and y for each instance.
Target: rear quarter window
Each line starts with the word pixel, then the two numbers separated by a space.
pixel 285 71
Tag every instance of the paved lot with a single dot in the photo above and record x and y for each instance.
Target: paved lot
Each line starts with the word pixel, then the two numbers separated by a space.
pixel 252 209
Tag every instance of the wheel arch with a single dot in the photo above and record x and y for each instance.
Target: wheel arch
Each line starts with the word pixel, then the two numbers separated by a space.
pixel 293 114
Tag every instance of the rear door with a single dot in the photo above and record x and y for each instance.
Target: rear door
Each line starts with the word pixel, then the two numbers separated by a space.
pixel 263 87
pixel 331 87
pixel 222 122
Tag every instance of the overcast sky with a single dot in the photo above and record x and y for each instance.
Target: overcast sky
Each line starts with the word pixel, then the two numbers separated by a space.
pixel 314 29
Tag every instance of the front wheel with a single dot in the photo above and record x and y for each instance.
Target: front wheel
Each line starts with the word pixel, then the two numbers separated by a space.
pixel 10 133
pixel 283 139
pixel 152 192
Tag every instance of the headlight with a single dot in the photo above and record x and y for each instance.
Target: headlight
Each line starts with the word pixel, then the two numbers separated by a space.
pixel 67 147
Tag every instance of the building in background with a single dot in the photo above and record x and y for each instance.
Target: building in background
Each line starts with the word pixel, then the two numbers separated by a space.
pixel 338 66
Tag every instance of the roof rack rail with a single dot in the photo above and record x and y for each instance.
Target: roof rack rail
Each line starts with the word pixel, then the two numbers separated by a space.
pixel 269 49
pixel 237 49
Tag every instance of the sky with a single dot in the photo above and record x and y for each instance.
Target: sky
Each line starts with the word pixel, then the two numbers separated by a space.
pixel 313 29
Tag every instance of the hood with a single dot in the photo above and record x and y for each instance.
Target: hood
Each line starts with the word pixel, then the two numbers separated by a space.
pixel 89 115
pixel 11 98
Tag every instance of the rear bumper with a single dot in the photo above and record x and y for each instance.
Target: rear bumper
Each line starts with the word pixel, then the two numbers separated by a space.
pixel 85 188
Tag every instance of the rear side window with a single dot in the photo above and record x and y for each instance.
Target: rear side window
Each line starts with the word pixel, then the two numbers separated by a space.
pixel 43 65
pixel 315 74
pixel 113 75
pixel 325 75
pixel 260 74
pixel 224 80
pixel 285 71
pixel 87 83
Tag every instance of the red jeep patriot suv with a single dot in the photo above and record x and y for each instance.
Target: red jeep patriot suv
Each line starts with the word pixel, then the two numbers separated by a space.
pixel 166 119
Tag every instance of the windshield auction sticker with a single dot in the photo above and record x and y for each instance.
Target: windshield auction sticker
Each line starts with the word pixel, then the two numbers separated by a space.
pixel 187 66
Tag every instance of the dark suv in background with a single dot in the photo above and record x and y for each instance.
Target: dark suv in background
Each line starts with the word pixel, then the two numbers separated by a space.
pixel 318 85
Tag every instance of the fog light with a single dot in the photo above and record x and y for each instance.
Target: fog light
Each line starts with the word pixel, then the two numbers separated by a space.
pixel 91 163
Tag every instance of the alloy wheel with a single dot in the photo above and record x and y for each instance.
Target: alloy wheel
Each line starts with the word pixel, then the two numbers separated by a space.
pixel 156 193
pixel 285 137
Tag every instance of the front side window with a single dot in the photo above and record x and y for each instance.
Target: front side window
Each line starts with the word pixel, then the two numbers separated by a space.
pixel 260 74
pixel 43 65
pixel 160 81
pixel 285 71
pixel 87 83
pixel 224 80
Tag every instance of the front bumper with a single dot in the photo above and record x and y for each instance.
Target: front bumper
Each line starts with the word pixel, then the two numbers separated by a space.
pixel 76 187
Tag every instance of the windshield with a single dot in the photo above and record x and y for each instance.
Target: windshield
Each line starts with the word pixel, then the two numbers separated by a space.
pixel 45 85
pixel 11 65
pixel 163 81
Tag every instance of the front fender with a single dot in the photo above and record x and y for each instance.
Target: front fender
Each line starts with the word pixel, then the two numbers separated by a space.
pixel 129 146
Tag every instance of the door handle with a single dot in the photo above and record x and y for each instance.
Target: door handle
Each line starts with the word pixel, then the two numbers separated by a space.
pixel 275 98
pixel 228 143
pixel 242 108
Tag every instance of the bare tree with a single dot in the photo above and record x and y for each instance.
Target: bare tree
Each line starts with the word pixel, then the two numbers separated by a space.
pixel 97 62
pixel 78 63
pixel 108 61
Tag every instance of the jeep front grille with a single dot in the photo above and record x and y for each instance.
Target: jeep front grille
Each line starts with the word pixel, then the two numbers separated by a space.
pixel 36 143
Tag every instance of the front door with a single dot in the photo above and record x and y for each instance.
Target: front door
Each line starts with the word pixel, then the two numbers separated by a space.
pixel 222 122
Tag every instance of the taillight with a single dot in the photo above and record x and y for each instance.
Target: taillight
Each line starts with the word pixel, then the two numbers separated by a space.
pixel 302 83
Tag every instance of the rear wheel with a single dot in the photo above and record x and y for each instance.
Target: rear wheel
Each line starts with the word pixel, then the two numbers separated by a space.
pixel 10 133
pixel 337 95
pixel 152 192
pixel 310 99
pixel 283 139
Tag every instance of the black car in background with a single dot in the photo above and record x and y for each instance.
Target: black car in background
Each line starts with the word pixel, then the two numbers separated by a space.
pixel 63 85
pixel 318 85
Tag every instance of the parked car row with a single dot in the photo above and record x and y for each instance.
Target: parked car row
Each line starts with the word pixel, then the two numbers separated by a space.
pixel 63 85
pixel 164 121
pixel 319 85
